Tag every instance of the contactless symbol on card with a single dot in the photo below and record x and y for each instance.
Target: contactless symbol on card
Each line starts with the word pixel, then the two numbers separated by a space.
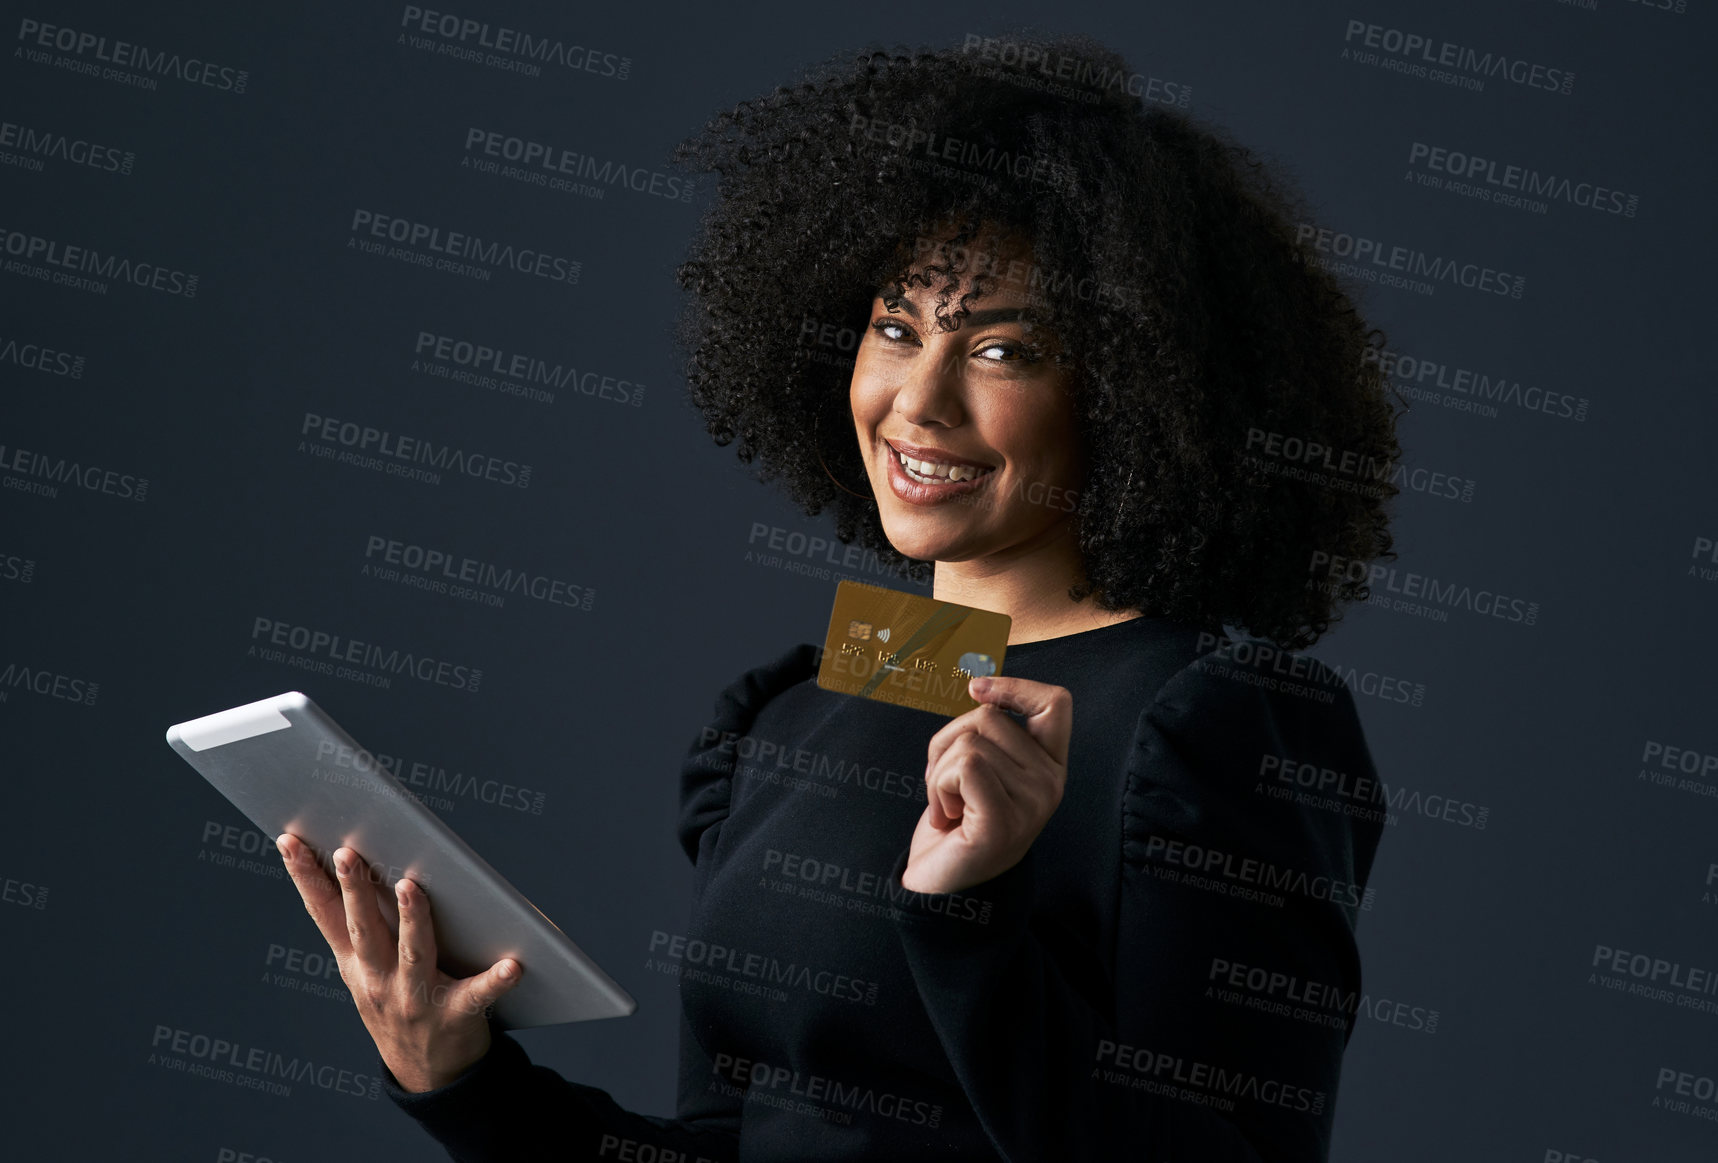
pixel 909 650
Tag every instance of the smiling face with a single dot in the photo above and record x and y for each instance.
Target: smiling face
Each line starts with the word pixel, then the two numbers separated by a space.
pixel 986 399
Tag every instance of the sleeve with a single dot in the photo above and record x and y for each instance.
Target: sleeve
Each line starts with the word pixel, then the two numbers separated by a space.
pixel 1216 1029
pixel 506 1108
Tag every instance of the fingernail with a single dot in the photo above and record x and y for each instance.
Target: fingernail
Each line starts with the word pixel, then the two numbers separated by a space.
pixel 506 969
pixel 280 845
pixel 980 685
pixel 343 864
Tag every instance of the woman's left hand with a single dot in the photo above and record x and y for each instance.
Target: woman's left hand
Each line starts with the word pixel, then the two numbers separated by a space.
pixel 991 784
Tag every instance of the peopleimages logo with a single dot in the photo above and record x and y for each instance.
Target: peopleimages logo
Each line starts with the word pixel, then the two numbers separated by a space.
pixel 1347 470
pixel 396 454
pixel 428 783
pixel 711 960
pixel 1286 995
pixel 27 249
pixel 825 882
pixel 1508 184
pixel 1468 389
pixel 319 651
pixel 446 572
pixel 515 373
pixel 17 568
pixel 508 48
pixel 1701 1087
pixel 1375 684
pixel 1328 789
pixel 1247 877
pixel 1074 76
pixel 254 1067
pixel 53 471
pixel 38 357
pixel 23 893
pixel 1687 987
pixel 752 1078
pixel 539 163
pixel 1205 1083
pixel 1403 266
pixel 110 60
pixel 911 138
pixel 15 676
pixel 481 258
pixel 1387 580
pixel 36 145
pixel 1446 61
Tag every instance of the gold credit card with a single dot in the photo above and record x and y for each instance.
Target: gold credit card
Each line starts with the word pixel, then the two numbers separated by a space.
pixel 909 650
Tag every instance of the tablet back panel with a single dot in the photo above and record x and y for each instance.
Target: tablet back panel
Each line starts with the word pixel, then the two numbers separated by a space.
pixel 289 767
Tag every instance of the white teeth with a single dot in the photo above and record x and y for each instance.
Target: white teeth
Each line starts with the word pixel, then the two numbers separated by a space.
pixel 930 471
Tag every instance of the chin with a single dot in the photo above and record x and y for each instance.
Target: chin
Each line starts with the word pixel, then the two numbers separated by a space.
pixel 922 548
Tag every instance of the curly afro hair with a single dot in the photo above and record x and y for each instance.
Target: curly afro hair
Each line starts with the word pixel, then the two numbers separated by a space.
pixel 1214 361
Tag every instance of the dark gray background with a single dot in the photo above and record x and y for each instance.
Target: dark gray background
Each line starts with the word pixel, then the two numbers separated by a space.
pixel 1545 725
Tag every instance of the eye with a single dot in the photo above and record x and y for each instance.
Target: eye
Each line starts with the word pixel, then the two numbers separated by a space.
pixel 1012 352
pixel 885 326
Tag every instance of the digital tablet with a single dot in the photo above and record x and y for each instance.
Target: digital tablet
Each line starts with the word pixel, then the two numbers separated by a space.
pixel 289 767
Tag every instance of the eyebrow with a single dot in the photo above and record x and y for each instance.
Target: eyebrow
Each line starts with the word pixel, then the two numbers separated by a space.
pixel 987 316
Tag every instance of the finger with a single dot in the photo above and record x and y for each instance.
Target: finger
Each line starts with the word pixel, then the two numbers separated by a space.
pixel 478 992
pixel 371 941
pixel 995 724
pixel 1002 784
pixel 970 788
pixel 1049 709
pixel 941 793
pixel 989 718
pixel 946 805
pixel 934 800
pixel 962 724
pixel 320 895
pixel 957 728
pixel 949 793
pixel 417 964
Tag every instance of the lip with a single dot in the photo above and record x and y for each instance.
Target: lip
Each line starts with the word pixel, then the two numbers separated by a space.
pixel 917 492
pixel 939 455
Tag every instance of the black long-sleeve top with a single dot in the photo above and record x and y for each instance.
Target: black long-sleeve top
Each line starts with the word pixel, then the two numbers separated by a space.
pixel 1169 974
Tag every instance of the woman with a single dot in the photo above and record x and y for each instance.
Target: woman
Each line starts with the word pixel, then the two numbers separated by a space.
pixel 1102 925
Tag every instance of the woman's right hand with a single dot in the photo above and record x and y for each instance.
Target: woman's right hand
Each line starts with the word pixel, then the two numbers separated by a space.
pixel 429 1028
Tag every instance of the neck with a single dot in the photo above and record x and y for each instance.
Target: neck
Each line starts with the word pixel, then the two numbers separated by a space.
pixel 1029 584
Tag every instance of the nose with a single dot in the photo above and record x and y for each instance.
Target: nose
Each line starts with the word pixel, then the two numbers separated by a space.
pixel 930 391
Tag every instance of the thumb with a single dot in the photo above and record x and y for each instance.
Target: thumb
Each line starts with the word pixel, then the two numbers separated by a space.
pixel 478 992
pixel 1047 709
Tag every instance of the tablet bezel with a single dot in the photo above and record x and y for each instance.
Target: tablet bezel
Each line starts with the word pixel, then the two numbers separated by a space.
pixel 273 760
